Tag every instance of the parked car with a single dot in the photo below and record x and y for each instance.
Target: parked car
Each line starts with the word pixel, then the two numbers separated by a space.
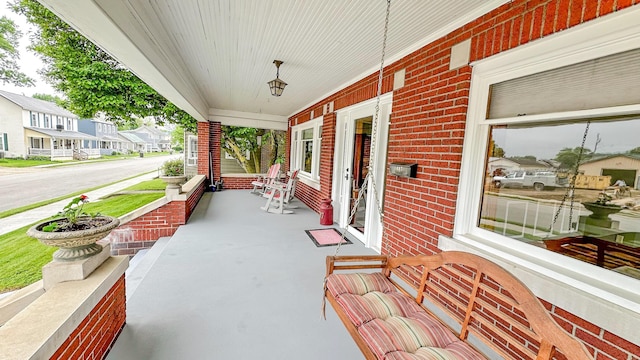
pixel 527 179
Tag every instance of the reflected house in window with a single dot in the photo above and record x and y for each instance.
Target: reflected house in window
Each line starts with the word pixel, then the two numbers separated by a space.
pixel 624 167
pixel 507 165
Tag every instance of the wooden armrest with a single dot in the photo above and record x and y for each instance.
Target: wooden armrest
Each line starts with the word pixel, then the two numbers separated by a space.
pixel 356 262
pixel 275 186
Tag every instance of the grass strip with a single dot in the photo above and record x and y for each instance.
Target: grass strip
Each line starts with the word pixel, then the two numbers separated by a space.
pixel 22 257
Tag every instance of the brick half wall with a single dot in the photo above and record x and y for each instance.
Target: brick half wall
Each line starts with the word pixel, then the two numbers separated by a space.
pixel 95 335
pixel 143 231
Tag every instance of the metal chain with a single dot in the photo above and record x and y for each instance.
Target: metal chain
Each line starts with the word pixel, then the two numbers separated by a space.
pixel 572 186
pixel 374 134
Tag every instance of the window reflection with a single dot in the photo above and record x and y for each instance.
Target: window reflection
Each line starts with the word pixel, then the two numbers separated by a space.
pixel 544 188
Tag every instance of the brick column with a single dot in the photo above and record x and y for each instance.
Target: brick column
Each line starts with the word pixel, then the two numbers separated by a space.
pixel 215 143
pixel 326 154
pixel 203 148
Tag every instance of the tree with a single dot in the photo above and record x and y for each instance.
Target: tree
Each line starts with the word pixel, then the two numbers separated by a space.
pixel 240 141
pixel 50 98
pixel 495 150
pixel 177 136
pixel 568 157
pixel 9 56
pixel 635 151
pixel 91 79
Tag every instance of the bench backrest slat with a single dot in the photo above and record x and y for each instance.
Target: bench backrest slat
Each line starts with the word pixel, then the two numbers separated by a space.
pixel 487 301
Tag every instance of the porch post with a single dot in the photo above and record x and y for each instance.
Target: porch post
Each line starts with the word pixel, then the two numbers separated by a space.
pixel 326 157
pixel 203 148
pixel 215 148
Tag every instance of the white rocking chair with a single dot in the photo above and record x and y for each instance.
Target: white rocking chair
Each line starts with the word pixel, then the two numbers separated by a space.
pixel 282 193
pixel 271 177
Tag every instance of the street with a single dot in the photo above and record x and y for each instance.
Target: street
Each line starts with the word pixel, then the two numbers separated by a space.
pixel 25 186
pixel 535 216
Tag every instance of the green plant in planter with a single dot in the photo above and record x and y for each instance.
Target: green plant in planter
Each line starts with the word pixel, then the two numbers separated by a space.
pixel 173 167
pixel 71 214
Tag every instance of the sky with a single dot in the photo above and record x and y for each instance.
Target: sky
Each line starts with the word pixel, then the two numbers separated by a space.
pixel 544 142
pixel 29 62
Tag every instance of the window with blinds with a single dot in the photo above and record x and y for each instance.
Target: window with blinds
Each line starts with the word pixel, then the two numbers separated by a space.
pixel 604 82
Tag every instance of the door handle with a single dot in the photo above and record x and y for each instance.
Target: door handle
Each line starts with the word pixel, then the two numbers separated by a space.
pixel 346 175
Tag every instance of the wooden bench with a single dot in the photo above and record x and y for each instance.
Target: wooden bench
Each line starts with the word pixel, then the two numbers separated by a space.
pixel 389 306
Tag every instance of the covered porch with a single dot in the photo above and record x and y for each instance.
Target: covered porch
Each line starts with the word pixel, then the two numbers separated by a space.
pixel 60 144
pixel 235 282
pixel 441 67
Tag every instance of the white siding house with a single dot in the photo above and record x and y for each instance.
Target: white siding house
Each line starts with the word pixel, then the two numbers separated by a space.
pixel 33 127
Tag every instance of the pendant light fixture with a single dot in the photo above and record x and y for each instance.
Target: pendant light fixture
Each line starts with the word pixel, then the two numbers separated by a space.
pixel 276 85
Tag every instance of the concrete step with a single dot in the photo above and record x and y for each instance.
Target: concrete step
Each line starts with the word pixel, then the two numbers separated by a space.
pixel 141 263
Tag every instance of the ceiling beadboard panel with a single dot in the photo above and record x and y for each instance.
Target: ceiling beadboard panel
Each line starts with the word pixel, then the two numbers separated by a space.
pixel 223 50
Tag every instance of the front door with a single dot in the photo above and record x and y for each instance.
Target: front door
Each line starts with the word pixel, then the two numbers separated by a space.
pixel 354 138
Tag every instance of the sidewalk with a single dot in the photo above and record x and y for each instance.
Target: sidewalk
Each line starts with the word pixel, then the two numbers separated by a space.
pixel 17 221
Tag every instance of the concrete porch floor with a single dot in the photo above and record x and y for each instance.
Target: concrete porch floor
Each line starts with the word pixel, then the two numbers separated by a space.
pixel 235 283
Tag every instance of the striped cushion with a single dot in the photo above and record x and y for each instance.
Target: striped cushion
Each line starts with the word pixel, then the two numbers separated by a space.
pixel 358 284
pixel 376 305
pixel 391 323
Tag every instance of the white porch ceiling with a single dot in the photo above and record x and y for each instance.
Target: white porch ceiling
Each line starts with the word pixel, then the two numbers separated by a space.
pixel 215 56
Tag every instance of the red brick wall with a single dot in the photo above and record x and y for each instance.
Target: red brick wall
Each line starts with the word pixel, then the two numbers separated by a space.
pixel 144 231
pixel 607 345
pixel 214 141
pixel 238 183
pixel 427 127
pixel 203 148
pixel 99 330
pixel 193 200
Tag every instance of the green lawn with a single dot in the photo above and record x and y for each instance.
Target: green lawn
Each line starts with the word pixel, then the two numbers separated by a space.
pixel 22 257
pixel 156 184
pixel 20 163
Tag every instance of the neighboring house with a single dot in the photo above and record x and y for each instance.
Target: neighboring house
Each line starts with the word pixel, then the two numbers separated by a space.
pixel 190 154
pixel 106 133
pixel 131 142
pixel 512 164
pixel 156 139
pixel 620 167
pixel 33 127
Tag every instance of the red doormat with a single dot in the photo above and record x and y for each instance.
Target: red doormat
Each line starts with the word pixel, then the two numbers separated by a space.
pixel 326 237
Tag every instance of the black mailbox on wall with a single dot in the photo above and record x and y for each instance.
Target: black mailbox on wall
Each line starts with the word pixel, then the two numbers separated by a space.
pixel 403 169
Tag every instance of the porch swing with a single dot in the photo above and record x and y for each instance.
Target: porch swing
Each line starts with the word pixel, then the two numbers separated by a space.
pixel 385 313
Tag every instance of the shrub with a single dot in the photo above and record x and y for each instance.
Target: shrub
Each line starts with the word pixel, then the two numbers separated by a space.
pixel 173 167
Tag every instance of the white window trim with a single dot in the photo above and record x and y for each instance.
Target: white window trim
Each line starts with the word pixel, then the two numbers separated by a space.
pixel 603 297
pixel 311 179
pixel 192 160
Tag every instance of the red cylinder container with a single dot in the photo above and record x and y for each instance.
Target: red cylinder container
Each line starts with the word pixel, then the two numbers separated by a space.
pixel 326 212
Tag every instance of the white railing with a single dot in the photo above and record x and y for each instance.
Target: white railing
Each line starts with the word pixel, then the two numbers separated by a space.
pixel 62 153
pixel 91 152
pixel 39 152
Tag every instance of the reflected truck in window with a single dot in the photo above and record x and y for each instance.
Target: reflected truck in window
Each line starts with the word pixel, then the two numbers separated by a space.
pixel 528 179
